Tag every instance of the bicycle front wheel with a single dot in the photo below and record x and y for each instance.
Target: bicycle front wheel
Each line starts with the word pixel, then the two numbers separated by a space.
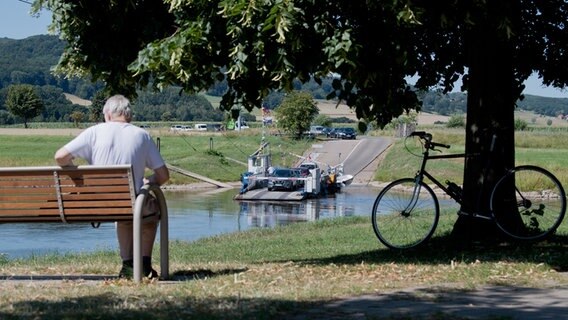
pixel 535 197
pixel 405 214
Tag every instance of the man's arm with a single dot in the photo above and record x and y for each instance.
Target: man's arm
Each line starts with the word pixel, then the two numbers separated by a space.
pixel 161 175
pixel 64 157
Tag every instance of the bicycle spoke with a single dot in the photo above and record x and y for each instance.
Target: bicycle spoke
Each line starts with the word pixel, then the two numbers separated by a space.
pixel 403 218
pixel 540 203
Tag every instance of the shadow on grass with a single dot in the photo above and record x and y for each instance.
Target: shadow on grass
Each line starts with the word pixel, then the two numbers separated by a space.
pixel 181 275
pixel 441 250
pixel 185 275
pixel 114 306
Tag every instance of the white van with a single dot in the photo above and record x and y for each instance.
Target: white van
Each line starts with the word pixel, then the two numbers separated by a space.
pixel 200 127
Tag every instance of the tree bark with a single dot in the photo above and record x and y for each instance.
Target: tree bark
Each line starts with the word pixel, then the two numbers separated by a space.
pixel 489 122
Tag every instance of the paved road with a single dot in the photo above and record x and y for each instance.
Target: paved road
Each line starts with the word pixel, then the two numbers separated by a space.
pixel 359 157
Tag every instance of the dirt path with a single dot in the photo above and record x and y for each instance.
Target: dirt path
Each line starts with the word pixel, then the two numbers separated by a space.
pixel 42 132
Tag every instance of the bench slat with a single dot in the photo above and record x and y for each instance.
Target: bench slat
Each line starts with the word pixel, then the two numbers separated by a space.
pixel 96 196
pixel 19 197
pixel 70 212
pixel 50 182
pixel 42 196
pixel 94 189
pixel 98 218
pixel 9 184
pixel 75 172
pixel 68 204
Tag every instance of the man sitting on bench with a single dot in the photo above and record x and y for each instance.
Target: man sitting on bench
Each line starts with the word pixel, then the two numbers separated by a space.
pixel 116 141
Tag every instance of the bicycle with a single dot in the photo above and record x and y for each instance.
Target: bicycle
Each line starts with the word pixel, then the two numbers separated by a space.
pixel 406 212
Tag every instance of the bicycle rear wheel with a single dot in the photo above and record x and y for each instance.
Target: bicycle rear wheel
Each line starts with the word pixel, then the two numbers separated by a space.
pixel 405 214
pixel 537 199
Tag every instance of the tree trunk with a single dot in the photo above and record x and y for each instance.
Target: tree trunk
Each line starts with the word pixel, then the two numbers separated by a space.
pixel 490 121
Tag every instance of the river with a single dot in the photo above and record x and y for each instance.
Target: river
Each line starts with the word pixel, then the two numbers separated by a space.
pixel 192 215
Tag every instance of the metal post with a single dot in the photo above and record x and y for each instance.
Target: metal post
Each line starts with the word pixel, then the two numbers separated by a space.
pixel 137 234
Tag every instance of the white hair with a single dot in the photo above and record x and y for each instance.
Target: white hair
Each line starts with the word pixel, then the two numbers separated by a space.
pixel 118 105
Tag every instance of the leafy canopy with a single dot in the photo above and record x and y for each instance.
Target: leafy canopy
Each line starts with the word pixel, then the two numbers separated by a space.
pixel 260 46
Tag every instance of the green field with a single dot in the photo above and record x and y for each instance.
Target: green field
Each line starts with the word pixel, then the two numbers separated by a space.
pixel 544 148
pixel 219 156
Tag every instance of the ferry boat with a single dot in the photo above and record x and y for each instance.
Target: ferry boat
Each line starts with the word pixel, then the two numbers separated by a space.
pixel 262 181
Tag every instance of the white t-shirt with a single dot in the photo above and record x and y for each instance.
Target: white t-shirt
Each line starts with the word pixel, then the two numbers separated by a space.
pixel 112 143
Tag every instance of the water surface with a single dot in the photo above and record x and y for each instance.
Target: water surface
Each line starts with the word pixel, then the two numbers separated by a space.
pixel 193 215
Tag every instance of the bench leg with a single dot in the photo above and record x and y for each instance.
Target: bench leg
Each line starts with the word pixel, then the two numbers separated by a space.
pixel 164 233
pixel 137 237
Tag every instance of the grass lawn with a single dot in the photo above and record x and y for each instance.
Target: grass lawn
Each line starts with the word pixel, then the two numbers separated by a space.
pixel 268 274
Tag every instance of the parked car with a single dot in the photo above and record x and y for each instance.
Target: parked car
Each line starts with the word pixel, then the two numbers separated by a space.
pixel 326 131
pixel 286 179
pixel 177 127
pixel 330 133
pixel 214 127
pixel 309 165
pixel 345 133
pixel 316 130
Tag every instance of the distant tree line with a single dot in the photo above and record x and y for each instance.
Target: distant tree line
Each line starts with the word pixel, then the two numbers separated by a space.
pixel 56 107
pixel 173 105
pixel 169 105
pixel 455 103
pixel 28 61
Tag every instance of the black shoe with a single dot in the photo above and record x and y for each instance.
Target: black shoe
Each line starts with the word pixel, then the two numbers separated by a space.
pixel 127 270
pixel 147 269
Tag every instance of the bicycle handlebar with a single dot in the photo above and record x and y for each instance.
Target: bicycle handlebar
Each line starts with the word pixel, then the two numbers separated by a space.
pixel 421 134
pixel 441 145
pixel 428 138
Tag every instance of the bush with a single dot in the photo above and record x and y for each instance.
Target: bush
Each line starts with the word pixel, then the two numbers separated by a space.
pixel 456 121
pixel 322 120
pixel 520 125
pixel 342 120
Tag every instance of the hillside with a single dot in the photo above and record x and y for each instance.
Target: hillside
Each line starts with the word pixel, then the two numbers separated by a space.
pixel 29 61
pixel 76 100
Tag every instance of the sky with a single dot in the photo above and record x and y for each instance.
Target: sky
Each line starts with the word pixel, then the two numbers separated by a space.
pixel 16 23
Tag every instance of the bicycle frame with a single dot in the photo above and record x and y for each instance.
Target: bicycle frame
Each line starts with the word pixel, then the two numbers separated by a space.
pixel 419 177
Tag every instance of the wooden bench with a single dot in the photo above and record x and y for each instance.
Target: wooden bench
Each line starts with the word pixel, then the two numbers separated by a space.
pixel 87 194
